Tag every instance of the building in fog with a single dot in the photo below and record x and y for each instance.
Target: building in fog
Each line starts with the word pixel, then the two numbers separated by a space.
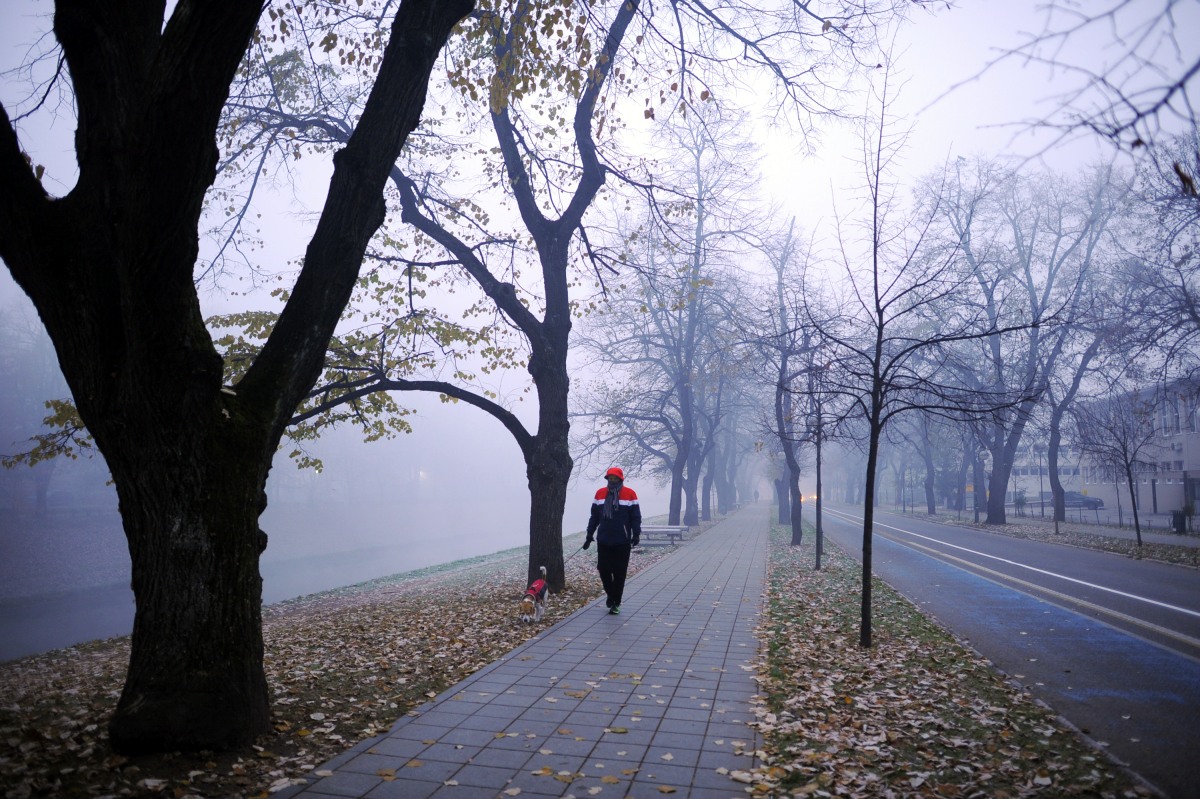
pixel 1163 448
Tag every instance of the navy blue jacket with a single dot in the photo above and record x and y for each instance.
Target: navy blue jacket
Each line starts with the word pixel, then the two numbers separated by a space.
pixel 625 526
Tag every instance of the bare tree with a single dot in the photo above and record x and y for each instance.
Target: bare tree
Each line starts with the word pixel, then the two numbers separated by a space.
pixel 1031 244
pixel 1117 431
pixel 900 314
pixel 1163 263
pixel 1144 81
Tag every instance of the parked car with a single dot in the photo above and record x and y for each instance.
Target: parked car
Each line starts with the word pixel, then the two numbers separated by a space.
pixel 1074 499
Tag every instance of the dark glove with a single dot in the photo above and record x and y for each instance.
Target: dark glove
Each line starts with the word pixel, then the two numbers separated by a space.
pixel 636 540
pixel 587 542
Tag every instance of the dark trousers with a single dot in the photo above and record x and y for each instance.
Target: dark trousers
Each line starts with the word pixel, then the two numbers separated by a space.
pixel 613 563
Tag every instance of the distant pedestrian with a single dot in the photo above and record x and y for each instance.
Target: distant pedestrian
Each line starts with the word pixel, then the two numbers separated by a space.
pixel 616 525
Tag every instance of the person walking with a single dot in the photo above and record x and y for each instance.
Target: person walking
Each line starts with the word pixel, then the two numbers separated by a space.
pixel 616 526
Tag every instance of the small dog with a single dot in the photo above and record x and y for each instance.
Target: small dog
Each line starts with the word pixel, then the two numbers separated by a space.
pixel 533 604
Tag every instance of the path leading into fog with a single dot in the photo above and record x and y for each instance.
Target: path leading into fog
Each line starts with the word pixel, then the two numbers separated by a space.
pixel 657 697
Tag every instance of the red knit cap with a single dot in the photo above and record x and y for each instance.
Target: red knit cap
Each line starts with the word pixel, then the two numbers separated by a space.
pixel 615 472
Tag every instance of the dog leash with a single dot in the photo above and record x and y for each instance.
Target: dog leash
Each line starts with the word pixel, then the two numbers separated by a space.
pixel 568 560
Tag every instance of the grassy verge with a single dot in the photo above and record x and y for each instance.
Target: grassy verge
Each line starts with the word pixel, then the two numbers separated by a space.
pixel 916 715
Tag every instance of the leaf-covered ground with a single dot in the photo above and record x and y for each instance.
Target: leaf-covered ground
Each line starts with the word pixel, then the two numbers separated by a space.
pixel 917 715
pixel 342 666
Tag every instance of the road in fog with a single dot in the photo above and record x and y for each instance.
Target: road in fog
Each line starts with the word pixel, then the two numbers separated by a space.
pixel 1110 643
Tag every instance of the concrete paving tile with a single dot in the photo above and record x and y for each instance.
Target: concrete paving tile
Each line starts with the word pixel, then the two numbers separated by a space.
pixel 449 752
pixel 679 777
pixel 416 731
pixel 474 774
pixel 607 751
pixel 569 746
pixel 372 764
pixel 520 743
pixel 468 737
pixel 492 724
pixel 409 789
pixel 345 783
pixel 687 714
pixel 511 759
pixel 397 747
pixel 557 762
pixel 502 712
pixel 530 726
pixel 592 719
pixel 463 792
pixel 632 735
pixel 730 730
pixel 545 713
pixel 671 755
pixel 679 740
pixel 531 784
pixel 426 770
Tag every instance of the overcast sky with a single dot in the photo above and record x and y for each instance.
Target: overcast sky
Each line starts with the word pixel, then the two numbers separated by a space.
pixel 954 104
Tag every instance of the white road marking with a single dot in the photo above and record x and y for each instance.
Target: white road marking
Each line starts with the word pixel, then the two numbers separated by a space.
pixel 1125 594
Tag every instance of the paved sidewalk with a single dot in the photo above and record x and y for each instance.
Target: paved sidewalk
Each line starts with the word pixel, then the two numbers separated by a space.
pixel 633 705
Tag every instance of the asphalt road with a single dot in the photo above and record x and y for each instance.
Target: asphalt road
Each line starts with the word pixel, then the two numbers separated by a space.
pixel 1112 644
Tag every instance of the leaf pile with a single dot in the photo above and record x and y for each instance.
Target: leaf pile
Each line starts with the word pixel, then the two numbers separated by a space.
pixel 916 715
pixel 342 666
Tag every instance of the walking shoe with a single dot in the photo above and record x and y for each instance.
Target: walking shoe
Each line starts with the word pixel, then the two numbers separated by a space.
pixel 608 603
pixel 615 610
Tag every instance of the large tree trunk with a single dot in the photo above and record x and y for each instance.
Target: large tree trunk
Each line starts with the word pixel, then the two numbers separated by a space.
pixel 675 507
pixel 783 498
pixel 548 462
pixel 549 473
pixel 930 471
pixel 109 268
pixel 190 513
pixel 797 516
pixel 691 506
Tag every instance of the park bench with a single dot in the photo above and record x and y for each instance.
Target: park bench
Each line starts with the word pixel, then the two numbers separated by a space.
pixel 662 535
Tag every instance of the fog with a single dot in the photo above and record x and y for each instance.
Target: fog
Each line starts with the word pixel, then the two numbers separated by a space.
pixel 456 486
pixel 453 488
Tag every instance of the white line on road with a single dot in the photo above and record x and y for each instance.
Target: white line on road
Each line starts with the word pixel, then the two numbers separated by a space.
pixel 1035 569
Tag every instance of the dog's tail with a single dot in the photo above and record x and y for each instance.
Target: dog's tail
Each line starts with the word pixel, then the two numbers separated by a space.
pixel 543 570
